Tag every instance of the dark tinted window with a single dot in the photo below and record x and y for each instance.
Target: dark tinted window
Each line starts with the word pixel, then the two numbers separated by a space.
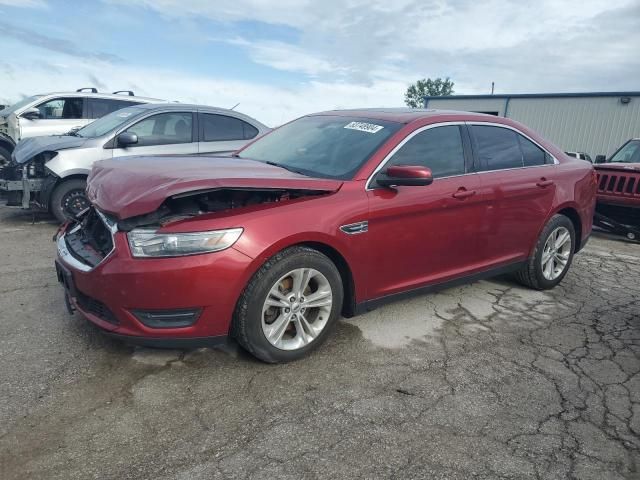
pixel 531 153
pixel 61 108
pixel 218 128
pixel 498 147
pixel 99 107
pixel 163 129
pixel 438 148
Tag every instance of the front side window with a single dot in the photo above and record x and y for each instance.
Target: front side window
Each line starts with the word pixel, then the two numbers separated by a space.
pixel 61 108
pixel 439 149
pixel 164 129
pixel 221 128
pixel 497 148
pixel 630 153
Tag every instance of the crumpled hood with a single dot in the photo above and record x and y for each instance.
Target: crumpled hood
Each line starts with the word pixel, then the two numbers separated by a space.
pixel 29 147
pixel 134 186
pixel 618 166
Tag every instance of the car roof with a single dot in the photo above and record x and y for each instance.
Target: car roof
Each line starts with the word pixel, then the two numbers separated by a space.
pixel 404 115
pixel 201 108
pixel 112 96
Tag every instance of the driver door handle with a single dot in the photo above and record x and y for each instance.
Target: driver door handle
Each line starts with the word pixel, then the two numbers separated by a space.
pixel 463 193
pixel 543 183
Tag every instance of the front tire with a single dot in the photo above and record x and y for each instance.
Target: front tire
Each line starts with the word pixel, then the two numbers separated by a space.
pixel 68 199
pixel 290 306
pixel 552 257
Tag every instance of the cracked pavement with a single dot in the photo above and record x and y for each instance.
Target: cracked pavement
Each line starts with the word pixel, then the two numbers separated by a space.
pixel 489 380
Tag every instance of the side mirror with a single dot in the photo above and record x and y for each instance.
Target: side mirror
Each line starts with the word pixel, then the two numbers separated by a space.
pixel 600 159
pixel 31 113
pixel 405 175
pixel 127 139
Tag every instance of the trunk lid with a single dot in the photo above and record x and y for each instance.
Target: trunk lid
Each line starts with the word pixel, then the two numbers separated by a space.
pixel 134 186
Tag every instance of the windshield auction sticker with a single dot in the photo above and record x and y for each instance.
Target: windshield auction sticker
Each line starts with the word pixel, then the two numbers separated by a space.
pixel 364 127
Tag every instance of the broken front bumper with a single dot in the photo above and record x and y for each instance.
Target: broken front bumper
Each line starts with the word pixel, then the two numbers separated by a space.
pixel 19 191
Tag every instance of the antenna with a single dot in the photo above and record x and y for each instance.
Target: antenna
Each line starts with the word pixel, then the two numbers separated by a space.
pixel 233 108
pixel 493 84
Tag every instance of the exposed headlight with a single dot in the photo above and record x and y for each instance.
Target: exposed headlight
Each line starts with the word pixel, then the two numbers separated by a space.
pixel 148 243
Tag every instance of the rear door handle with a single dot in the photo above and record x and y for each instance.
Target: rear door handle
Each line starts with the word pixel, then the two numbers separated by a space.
pixel 543 183
pixel 463 193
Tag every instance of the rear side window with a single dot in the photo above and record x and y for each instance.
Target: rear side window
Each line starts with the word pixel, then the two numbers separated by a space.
pixel 220 128
pixel 164 129
pixel 99 107
pixel 439 149
pixel 498 148
pixel 532 154
pixel 61 108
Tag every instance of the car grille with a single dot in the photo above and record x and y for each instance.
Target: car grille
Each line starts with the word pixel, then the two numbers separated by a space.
pixel 91 240
pixel 623 184
pixel 96 307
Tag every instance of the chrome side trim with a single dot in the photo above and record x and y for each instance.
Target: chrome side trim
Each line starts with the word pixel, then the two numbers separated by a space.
pixel 355 228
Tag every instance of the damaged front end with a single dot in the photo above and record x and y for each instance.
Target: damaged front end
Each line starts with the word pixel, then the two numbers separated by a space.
pixel 24 182
pixel 194 204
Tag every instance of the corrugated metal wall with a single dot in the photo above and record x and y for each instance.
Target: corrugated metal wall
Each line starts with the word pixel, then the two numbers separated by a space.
pixel 595 125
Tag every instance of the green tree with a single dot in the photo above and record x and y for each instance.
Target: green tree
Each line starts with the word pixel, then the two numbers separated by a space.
pixel 414 97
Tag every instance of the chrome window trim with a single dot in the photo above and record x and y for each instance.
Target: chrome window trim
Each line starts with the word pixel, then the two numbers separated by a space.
pixel 386 159
pixel 509 127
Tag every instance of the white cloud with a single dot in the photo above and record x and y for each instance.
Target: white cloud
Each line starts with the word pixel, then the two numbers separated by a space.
pixel 24 3
pixel 522 46
pixel 269 104
pixel 356 53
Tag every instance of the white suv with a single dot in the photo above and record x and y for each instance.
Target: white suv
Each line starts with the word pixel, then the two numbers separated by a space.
pixel 58 113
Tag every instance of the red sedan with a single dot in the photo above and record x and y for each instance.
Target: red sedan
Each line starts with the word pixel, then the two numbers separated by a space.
pixel 333 213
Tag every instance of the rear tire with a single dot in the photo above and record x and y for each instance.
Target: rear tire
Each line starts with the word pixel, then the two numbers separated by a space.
pixel 552 257
pixel 271 299
pixel 68 199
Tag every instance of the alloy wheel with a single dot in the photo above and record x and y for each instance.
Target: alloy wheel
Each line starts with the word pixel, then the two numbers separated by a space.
pixel 297 309
pixel 556 253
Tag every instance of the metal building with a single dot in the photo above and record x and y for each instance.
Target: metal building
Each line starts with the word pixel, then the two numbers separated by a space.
pixel 594 123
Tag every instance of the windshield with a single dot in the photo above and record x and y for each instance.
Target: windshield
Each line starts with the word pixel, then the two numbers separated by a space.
pixel 19 105
pixel 327 146
pixel 109 122
pixel 630 153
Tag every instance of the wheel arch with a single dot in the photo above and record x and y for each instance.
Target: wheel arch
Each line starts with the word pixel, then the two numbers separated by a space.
pixel 327 248
pixel 572 214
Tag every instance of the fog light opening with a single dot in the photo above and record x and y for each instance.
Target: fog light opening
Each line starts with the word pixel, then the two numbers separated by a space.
pixel 168 318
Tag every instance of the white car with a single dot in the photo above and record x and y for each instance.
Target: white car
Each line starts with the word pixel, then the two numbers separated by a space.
pixel 57 113
pixel 51 171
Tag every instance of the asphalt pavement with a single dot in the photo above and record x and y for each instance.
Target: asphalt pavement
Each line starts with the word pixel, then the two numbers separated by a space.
pixel 489 380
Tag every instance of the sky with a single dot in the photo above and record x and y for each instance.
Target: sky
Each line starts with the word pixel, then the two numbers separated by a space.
pixel 281 59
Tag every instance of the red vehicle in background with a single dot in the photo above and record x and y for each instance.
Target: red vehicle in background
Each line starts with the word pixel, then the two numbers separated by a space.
pixel 618 197
pixel 333 213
